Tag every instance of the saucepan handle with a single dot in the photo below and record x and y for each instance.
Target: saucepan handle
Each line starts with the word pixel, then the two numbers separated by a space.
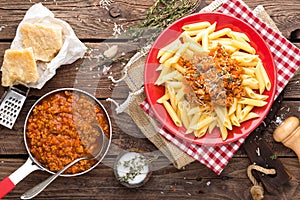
pixel 10 182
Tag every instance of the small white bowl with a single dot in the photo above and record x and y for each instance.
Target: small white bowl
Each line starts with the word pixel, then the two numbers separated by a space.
pixel 132 169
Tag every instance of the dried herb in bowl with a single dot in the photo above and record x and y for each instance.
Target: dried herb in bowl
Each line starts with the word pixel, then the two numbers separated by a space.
pixel 133 169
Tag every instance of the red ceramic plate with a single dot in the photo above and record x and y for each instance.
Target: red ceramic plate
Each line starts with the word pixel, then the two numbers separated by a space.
pixel 154 92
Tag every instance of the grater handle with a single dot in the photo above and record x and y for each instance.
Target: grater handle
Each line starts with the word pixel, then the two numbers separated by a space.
pixel 21 89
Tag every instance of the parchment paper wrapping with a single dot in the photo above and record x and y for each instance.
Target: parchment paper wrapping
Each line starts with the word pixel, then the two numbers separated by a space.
pixel 71 50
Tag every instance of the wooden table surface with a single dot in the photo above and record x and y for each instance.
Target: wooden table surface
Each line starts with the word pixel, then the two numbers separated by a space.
pixel 94 26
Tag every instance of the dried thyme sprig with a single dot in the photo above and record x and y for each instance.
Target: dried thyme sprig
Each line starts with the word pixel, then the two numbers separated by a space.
pixel 163 13
pixel 159 16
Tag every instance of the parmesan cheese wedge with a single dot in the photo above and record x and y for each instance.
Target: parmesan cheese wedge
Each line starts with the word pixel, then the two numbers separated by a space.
pixel 45 39
pixel 19 66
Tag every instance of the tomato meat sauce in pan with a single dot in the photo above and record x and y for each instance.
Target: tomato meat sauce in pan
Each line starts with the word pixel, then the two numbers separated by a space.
pixel 62 127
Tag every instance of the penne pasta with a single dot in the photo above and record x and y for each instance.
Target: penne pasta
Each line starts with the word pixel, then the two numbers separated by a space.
pixel 196 26
pixel 182 107
pixel 172 47
pixel 172 113
pixel 243 45
pixel 180 94
pixel 251 115
pixel 179 53
pixel 219 33
pixel 164 71
pixel 172 95
pixel 251 83
pixel 166 56
pixel 225 42
pixel 193 32
pixel 260 78
pixel 178 68
pixel 249 71
pixel 204 121
pixel 238 109
pixel 196 48
pixel 199 36
pixel 238 36
pixel 233 107
pixel 189 68
pixel 224 132
pixel 174 75
pixel 175 84
pixel 205 40
pixel 243 57
pixel 254 95
pixel 193 122
pixel 234 120
pixel 245 111
pixel 264 75
pixel 227 123
pixel 252 102
pixel 212 125
pixel 201 132
pixel 166 97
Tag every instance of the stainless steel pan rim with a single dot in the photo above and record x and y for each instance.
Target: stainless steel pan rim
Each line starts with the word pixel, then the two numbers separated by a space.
pixel 48 94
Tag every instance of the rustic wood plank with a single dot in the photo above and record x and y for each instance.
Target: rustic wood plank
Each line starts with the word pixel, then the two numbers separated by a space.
pixel 89 73
pixel 94 22
pixel 285 17
pixel 88 19
pixel 194 181
pixel 292 90
pixel 127 135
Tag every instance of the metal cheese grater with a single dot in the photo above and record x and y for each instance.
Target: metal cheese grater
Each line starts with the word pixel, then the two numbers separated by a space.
pixel 11 105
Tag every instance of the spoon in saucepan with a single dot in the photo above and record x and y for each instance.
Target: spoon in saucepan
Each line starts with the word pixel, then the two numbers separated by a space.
pixel 41 186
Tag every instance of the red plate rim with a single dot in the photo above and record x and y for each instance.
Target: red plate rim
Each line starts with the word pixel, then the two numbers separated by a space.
pixel 153 92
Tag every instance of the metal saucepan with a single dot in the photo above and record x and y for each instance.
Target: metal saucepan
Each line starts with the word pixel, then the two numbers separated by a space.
pixel 32 164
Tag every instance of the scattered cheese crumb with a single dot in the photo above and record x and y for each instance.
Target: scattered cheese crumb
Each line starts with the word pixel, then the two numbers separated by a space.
pixel 278 120
pixel 117 30
pixel 258 151
pixel 2 27
pixel 105 3
pixel 106 69
pixel 208 183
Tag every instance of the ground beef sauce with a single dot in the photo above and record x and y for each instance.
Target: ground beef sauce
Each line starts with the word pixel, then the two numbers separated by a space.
pixel 62 128
pixel 213 79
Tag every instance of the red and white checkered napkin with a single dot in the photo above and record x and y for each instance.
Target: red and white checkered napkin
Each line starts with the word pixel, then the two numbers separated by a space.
pixel 215 158
pixel 286 55
pixel 287 60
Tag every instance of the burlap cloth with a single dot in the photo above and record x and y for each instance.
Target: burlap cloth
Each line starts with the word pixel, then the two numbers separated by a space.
pixel 133 77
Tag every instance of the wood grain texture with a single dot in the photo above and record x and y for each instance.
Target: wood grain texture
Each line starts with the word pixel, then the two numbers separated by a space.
pixel 87 18
pixel 94 26
pixel 193 182
pixel 127 135
pixel 90 21
pixel 87 73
